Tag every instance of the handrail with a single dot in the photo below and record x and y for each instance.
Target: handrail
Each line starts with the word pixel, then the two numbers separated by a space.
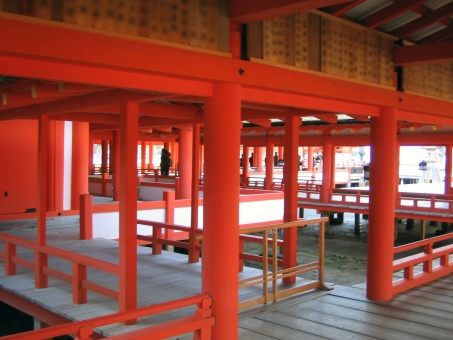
pixel 435 263
pixel 84 328
pixel 78 279
pixel 272 277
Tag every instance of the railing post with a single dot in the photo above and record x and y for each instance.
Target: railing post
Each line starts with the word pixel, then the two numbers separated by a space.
pixel 321 246
pixel 79 275
pixel 86 217
pixel 241 251
pixel 84 333
pixel 203 311
pixel 157 246
pixel 10 266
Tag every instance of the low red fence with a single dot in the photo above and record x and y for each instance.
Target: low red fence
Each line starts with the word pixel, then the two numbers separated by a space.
pixel 429 264
pixel 200 323
pixel 78 279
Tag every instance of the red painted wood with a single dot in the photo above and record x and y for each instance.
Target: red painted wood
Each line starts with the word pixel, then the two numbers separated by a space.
pixel 382 204
pixel 128 208
pixel 221 206
pixel 80 161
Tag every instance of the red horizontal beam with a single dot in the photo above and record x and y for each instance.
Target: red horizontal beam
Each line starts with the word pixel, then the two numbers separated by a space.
pixel 390 12
pixel 424 54
pixel 424 21
pixel 257 10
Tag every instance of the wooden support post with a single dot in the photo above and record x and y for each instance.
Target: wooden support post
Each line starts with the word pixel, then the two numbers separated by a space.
pixel 221 207
pixel 259 158
pixel 310 159
pixel 326 171
pixel 169 198
pixel 194 253
pixel 422 229
pixel 41 259
pixel 10 252
pixel 79 176
pixel 245 166
pixel 79 275
pixel 448 169
pixel 185 163
pixel 116 171
pixel 382 205
pixel 86 217
pixel 269 166
pixel 104 178
pixel 235 40
pixel 290 172
pixel 357 224
pixel 105 156
pixel 128 208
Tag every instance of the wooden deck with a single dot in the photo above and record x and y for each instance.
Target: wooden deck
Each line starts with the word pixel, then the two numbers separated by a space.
pixel 343 313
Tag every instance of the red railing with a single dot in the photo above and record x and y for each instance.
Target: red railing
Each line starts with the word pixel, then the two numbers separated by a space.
pixel 434 263
pixel 80 263
pixel 200 323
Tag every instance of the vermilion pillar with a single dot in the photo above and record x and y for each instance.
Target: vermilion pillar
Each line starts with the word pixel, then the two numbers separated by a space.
pixel 55 162
pixel 116 165
pixel 105 155
pixel 222 122
pixel 193 254
pixel 280 152
pixel 448 169
pixel 80 152
pixel 290 172
pixel 259 158
pixel 150 155
pixel 41 259
pixel 382 204
pixel 143 156
pixel 128 207
pixel 310 158
pixel 245 165
pixel 326 171
pixel 185 163
pixel 269 166
pixel 90 157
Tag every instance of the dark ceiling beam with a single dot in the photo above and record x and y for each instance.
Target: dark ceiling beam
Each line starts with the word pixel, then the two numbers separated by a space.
pixel 256 10
pixel 424 21
pixel 441 35
pixel 390 12
pixel 424 54
pixel 341 9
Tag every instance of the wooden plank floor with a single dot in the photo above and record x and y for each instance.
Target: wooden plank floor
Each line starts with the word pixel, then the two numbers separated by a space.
pixel 161 278
pixel 425 312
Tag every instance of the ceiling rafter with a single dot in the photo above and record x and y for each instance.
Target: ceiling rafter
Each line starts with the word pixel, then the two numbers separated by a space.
pixel 441 35
pixel 340 9
pixel 424 21
pixel 256 10
pixel 390 12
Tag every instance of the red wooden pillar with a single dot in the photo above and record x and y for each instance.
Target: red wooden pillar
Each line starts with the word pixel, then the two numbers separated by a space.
pixel 326 171
pixel 245 165
pixel 448 169
pixel 150 155
pixel 280 152
pixel 80 146
pixel 86 217
pixel 310 158
pixel 116 165
pixel 235 40
pixel 185 163
pixel 221 207
pixel 143 157
pixel 269 166
pixel 194 255
pixel 290 172
pixel 41 259
pixel 90 156
pixel 259 158
pixel 382 204
pixel 105 155
pixel 128 208
pixel 55 163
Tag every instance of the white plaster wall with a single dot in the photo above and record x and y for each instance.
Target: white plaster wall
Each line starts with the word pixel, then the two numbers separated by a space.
pixel 152 193
pixel 260 211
